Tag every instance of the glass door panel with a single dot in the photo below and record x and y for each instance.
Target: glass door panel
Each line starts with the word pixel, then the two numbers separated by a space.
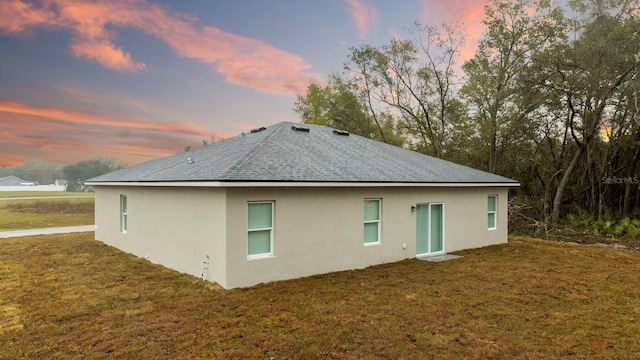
pixel 435 224
pixel 421 229
pixel 429 228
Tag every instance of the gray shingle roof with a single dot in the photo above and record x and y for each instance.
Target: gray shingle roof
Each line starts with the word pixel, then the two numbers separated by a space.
pixel 11 181
pixel 280 153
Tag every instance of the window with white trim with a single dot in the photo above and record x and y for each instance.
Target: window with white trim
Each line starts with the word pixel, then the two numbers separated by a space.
pixel 123 213
pixel 372 211
pixel 260 229
pixel 492 212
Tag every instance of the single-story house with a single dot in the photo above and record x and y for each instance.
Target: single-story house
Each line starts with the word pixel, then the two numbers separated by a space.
pixel 62 183
pixel 294 200
pixel 13 181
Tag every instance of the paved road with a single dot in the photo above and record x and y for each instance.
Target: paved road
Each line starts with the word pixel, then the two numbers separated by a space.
pixel 47 231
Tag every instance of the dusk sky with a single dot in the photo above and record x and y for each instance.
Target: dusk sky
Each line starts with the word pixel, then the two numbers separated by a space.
pixel 141 79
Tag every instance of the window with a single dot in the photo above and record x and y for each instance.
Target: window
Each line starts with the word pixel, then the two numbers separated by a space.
pixel 372 221
pixel 492 203
pixel 260 230
pixel 123 213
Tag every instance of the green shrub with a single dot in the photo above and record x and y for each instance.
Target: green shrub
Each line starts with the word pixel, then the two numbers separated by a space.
pixel 622 226
pixel 605 227
pixel 582 219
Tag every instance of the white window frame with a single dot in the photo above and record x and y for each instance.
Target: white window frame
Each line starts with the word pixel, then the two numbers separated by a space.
pixel 494 212
pixel 428 225
pixel 124 213
pixel 271 228
pixel 378 221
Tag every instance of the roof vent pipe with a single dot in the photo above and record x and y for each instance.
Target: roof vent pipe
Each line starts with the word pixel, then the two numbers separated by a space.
pixel 258 129
pixel 340 132
pixel 299 128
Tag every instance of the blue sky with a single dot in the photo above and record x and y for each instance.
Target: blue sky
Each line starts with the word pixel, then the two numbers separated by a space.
pixel 140 79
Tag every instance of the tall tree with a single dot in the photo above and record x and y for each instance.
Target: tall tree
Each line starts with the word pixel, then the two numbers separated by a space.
pixel 339 104
pixel 35 170
pixel 548 99
pixel 500 89
pixel 412 81
pixel 591 74
pixel 84 170
pixel 363 68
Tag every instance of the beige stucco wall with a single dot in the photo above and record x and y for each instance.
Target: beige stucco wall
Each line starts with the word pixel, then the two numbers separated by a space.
pixel 316 230
pixel 175 227
pixel 320 230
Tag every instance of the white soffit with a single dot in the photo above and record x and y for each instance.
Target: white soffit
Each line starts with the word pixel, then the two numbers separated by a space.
pixel 236 184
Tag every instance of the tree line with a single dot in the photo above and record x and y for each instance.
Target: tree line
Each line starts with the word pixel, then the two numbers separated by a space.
pixel 35 170
pixel 550 98
pixel 44 173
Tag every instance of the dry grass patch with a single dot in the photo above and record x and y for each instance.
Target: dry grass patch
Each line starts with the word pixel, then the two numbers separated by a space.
pixel 33 214
pixel 26 194
pixel 52 207
pixel 75 297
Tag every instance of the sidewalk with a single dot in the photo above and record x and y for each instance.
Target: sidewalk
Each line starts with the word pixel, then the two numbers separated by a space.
pixel 47 231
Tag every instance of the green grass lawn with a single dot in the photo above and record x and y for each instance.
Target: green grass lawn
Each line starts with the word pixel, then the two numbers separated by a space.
pixel 68 296
pixel 42 213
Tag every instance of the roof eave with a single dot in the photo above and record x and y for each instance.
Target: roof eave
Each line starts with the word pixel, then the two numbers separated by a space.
pixel 235 184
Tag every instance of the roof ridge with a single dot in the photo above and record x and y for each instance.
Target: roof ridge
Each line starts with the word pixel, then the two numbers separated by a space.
pixel 240 162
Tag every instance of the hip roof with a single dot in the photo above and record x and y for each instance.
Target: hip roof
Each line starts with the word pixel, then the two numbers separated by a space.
pixel 290 152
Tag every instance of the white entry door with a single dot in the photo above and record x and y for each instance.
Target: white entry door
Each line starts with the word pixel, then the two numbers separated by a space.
pixel 429 229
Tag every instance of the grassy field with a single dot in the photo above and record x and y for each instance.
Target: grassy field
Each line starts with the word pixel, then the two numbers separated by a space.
pixel 68 296
pixel 63 209
pixel 24 194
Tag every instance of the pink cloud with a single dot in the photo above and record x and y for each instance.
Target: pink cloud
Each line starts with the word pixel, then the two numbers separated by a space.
pixel 68 136
pixel 78 117
pixel 8 159
pixel 466 13
pixel 364 14
pixel 107 55
pixel 243 61
pixel 17 17
pixel 148 151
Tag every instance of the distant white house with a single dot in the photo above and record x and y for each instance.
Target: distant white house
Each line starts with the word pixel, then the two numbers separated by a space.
pixel 295 200
pixel 61 182
pixel 11 181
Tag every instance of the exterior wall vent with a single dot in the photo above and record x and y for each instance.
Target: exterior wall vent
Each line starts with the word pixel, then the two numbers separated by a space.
pixel 340 132
pixel 258 129
pixel 299 128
